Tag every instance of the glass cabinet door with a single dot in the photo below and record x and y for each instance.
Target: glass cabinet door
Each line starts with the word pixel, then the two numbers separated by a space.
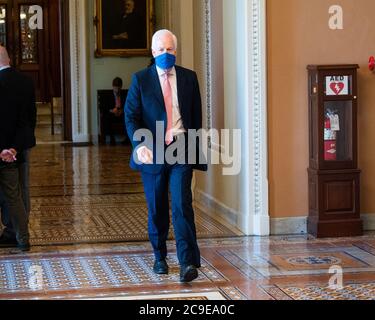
pixel 28 37
pixel 3 25
pixel 338 131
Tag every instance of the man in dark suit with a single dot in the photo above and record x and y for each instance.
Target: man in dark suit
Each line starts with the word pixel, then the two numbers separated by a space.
pixel 112 109
pixel 17 124
pixel 169 94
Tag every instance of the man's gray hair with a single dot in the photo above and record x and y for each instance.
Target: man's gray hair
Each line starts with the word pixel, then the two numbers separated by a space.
pixel 159 34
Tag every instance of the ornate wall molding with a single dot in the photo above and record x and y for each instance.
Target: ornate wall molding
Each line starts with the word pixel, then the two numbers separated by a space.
pixel 208 62
pixel 79 70
pixel 258 114
pixel 256 110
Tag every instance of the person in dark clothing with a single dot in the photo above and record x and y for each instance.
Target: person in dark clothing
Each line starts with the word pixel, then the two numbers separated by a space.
pixel 17 124
pixel 113 110
pixel 24 172
pixel 169 94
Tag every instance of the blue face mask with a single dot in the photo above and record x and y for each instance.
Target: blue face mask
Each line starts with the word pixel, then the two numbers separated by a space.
pixel 165 61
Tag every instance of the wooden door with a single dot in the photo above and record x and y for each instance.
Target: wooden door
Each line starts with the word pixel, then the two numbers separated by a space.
pixel 33 50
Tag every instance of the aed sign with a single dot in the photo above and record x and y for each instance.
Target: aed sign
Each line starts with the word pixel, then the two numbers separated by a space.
pixel 337 85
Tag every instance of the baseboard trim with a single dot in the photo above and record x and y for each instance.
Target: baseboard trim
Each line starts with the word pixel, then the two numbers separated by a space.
pixel 278 226
pixel 217 210
pixel 77 144
pixel 298 225
pixel 368 221
pixel 82 138
pixel 292 225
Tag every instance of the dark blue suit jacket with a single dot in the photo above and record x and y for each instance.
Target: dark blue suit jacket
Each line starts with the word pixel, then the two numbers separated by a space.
pixel 17 111
pixel 145 106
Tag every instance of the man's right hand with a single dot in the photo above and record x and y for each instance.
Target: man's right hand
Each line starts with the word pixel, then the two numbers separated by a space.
pixel 8 156
pixel 145 155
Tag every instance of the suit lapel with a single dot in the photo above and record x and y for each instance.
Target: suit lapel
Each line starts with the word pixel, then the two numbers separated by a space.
pixel 180 90
pixel 157 87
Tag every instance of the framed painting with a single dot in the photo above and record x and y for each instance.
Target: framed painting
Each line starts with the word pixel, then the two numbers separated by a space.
pixel 124 27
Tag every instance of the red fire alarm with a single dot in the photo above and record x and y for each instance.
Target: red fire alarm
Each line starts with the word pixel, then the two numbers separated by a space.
pixel 371 63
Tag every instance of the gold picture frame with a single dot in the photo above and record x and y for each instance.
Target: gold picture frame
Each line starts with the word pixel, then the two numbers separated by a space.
pixel 124 27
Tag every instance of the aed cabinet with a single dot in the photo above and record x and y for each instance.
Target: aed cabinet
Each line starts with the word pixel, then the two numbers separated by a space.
pixel 333 173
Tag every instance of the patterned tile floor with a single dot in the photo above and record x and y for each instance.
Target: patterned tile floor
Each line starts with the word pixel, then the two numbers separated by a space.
pixel 80 197
pixel 102 218
pixel 234 268
pixel 90 195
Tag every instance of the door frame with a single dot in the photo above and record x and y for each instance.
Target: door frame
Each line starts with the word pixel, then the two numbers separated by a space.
pixel 65 69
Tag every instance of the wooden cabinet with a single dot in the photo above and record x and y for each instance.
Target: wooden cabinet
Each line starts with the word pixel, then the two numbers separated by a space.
pixel 334 177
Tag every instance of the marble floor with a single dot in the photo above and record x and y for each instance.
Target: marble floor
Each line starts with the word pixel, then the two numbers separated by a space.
pixel 88 231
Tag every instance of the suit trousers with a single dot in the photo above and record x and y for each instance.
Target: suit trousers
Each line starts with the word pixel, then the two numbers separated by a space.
pixel 24 173
pixel 108 120
pixel 12 193
pixel 178 178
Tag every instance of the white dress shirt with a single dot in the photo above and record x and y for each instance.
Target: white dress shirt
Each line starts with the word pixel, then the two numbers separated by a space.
pixel 177 126
pixel 4 67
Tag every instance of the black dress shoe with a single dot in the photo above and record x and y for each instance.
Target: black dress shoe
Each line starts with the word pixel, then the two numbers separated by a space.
pixel 21 248
pixel 188 273
pixel 7 242
pixel 161 267
pixel 24 246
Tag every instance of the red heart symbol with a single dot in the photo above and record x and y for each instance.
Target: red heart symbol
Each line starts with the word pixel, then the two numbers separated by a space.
pixel 337 87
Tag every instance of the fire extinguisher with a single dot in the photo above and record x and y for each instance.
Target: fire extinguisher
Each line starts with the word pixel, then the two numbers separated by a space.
pixel 330 144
